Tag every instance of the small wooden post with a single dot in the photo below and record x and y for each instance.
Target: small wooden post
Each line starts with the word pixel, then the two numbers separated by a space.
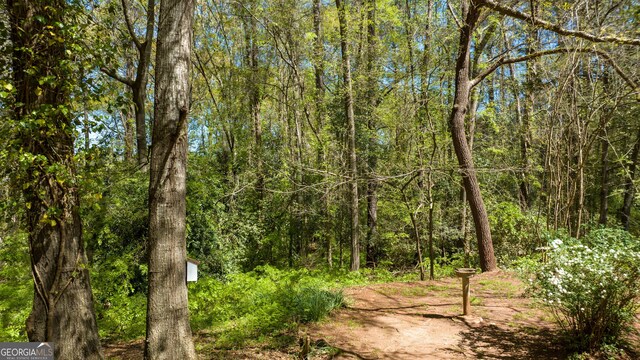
pixel 543 250
pixel 465 274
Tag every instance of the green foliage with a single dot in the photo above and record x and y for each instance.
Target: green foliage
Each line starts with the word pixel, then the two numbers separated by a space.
pixel 260 303
pixel 216 236
pixel 513 231
pixel 446 266
pixel 16 287
pixel 309 304
pixel 120 310
pixel 592 286
pixel 115 216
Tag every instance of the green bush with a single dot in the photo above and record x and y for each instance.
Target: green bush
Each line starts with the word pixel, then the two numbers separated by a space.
pixel 591 286
pixel 312 304
pixel 513 232
pixel 120 309
pixel 264 302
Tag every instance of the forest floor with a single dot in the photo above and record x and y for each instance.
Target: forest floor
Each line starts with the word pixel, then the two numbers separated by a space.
pixel 416 320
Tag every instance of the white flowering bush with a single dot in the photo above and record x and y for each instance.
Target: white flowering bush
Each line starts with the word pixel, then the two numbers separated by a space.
pixel 592 285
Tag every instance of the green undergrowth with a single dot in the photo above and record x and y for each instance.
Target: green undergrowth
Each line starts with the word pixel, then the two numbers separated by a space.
pixel 268 304
pixel 16 288
pixel 261 307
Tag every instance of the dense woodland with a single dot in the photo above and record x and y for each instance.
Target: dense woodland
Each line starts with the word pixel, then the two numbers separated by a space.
pixel 403 136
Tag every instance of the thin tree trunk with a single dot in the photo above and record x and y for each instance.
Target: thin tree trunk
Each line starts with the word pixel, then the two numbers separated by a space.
pixel 351 135
pixel 604 182
pixel 318 66
pixel 372 158
pixel 416 230
pixel 467 168
pixel 629 188
pixel 128 121
pixel 523 194
pixel 254 104
pixel 168 329
pixel 62 309
pixel 139 84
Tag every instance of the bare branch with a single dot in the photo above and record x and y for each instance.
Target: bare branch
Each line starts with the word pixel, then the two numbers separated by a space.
pixel 454 15
pixel 505 61
pixel 127 19
pixel 114 75
pixel 555 27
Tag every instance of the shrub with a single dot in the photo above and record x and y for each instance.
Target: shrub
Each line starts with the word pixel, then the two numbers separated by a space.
pixel 264 302
pixel 513 232
pixel 591 286
pixel 312 304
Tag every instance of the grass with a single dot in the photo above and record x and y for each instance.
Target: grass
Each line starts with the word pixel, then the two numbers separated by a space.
pixel 478 301
pixel 508 288
pixel 439 288
pixel 414 291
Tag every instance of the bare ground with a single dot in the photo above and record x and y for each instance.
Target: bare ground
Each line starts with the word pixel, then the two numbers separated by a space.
pixel 421 320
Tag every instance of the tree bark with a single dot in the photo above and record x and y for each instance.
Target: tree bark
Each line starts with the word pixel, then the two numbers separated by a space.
pixel 168 329
pixel 471 13
pixel 351 135
pixel 62 310
pixel 128 121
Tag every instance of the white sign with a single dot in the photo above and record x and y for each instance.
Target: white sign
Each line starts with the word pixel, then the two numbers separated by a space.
pixel 192 270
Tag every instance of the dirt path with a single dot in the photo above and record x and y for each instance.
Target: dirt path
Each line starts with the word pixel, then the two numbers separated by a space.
pixel 421 321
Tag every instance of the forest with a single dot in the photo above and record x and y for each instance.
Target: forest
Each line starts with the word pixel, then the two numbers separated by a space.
pixel 306 153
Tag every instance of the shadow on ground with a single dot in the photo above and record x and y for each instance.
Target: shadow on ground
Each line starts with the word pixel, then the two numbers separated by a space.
pixel 493 342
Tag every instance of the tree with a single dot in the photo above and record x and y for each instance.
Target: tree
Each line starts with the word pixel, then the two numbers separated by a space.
pixel 471 13
pixel 138 84
pixel 168 329
pixel 351 134
pixel 62 310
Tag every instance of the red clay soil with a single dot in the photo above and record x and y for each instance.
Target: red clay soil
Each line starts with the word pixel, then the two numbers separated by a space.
pixel 421 320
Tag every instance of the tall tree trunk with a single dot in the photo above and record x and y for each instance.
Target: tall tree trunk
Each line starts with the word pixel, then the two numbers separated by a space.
pixel 424 99
pixel 168 330
pixel 254 103
pixel 318 66
pixel 460 105
pixel 604 181
pixel 139 89
pixel 351 135
pixel 604 158
pixel 128 119
pixel 62 310
pixel 372 157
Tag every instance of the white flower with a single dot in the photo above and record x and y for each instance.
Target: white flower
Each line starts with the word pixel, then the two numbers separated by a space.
pixel 556 243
